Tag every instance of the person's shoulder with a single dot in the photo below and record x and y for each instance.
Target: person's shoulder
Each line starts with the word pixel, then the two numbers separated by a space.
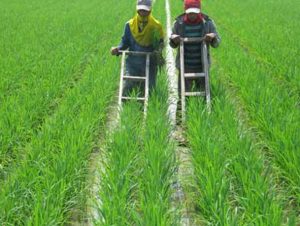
pixel 127 27
pixel 128 22
pixel 206 17
pixel 180 17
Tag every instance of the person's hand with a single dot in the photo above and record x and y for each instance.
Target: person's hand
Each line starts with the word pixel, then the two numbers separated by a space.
pixel 175 39
pixel 114 51
pixel 210 37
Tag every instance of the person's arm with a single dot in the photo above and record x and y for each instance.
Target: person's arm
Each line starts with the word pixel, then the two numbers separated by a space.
pixel 125 42
pixel 215 37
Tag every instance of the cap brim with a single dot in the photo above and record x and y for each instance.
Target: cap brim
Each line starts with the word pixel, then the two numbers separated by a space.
pixel 143 7
pixel 192 10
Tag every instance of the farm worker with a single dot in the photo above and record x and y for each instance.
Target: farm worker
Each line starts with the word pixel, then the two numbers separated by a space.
pixel 143 33
pixel 193 23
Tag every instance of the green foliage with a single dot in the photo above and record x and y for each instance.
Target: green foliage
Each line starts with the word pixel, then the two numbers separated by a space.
pixel 45 151
pixel 135 186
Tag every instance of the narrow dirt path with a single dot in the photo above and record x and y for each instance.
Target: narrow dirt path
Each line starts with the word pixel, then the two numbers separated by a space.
pixel 184 173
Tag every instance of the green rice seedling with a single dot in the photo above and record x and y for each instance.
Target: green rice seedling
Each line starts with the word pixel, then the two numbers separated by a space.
pixel 44 61
pixel 135 187
pixel 210 161
pixel 251 189
pixel 252 180
pixel 49 182
pixel 256 84
pixel 249 193
pixel 252 27
pixel 157 162
pixel 118 187
pixel 267 107
pixel 144 198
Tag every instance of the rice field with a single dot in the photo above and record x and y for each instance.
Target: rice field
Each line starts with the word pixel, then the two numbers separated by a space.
pixel 57 90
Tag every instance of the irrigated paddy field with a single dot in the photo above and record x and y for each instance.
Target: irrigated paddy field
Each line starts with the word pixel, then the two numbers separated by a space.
pixel 62 164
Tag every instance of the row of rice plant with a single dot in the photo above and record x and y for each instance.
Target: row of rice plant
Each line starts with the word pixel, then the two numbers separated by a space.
pixel 158 157
pixel 44 44
pixel 209 186
pixel 212 192
pixel 118 185
pixel 59 46
pixel 234 187
pixel 271 110
pixel 135 185
pixel 157 162
pixel 50 180
pixel 271 41
pixel 43 41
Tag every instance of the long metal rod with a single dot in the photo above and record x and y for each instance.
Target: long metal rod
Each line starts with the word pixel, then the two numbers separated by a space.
pixel 190 40
pixel 182 79
pixel 121 81
pixel 147 84
pixel 127 52
pixel 206 71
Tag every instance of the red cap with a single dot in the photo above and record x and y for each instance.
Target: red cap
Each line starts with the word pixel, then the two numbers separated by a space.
pixel 192 6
